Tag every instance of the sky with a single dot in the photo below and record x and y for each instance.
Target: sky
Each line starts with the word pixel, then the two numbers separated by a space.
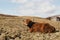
pixel 39 8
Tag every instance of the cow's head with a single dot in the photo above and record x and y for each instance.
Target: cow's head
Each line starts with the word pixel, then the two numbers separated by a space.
pixel 26 21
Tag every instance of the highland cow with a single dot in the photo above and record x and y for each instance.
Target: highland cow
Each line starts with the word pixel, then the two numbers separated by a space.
pixel 39 27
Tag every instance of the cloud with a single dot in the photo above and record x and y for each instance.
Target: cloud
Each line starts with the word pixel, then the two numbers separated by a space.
pixel 35 7
pixel 57 12
pixel 39 6
pixel 18 1
pixel 8 11
pixel 22 1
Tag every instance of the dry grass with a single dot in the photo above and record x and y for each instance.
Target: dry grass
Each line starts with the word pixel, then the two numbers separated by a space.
pixel 12 28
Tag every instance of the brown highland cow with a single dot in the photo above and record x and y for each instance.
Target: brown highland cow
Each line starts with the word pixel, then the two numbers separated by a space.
pixel 39 27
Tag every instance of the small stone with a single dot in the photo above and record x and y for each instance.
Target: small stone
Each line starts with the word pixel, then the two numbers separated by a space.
pixel 10 39
pixel 17 38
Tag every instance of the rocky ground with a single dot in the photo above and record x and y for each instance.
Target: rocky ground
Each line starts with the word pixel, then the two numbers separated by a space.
pixel 12 28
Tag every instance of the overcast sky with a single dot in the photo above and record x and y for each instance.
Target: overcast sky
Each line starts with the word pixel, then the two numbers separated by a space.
pixel 40 8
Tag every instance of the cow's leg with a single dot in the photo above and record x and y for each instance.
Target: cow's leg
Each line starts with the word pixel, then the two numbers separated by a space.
pixel 31 30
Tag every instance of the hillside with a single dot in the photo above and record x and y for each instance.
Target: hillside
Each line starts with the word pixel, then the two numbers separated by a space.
pixel 12 28
pixel 4 15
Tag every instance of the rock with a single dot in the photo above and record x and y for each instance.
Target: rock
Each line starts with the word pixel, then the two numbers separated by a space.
pixel 17 38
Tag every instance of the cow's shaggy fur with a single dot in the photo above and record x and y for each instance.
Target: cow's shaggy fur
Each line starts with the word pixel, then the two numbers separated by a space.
pixel 39 27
